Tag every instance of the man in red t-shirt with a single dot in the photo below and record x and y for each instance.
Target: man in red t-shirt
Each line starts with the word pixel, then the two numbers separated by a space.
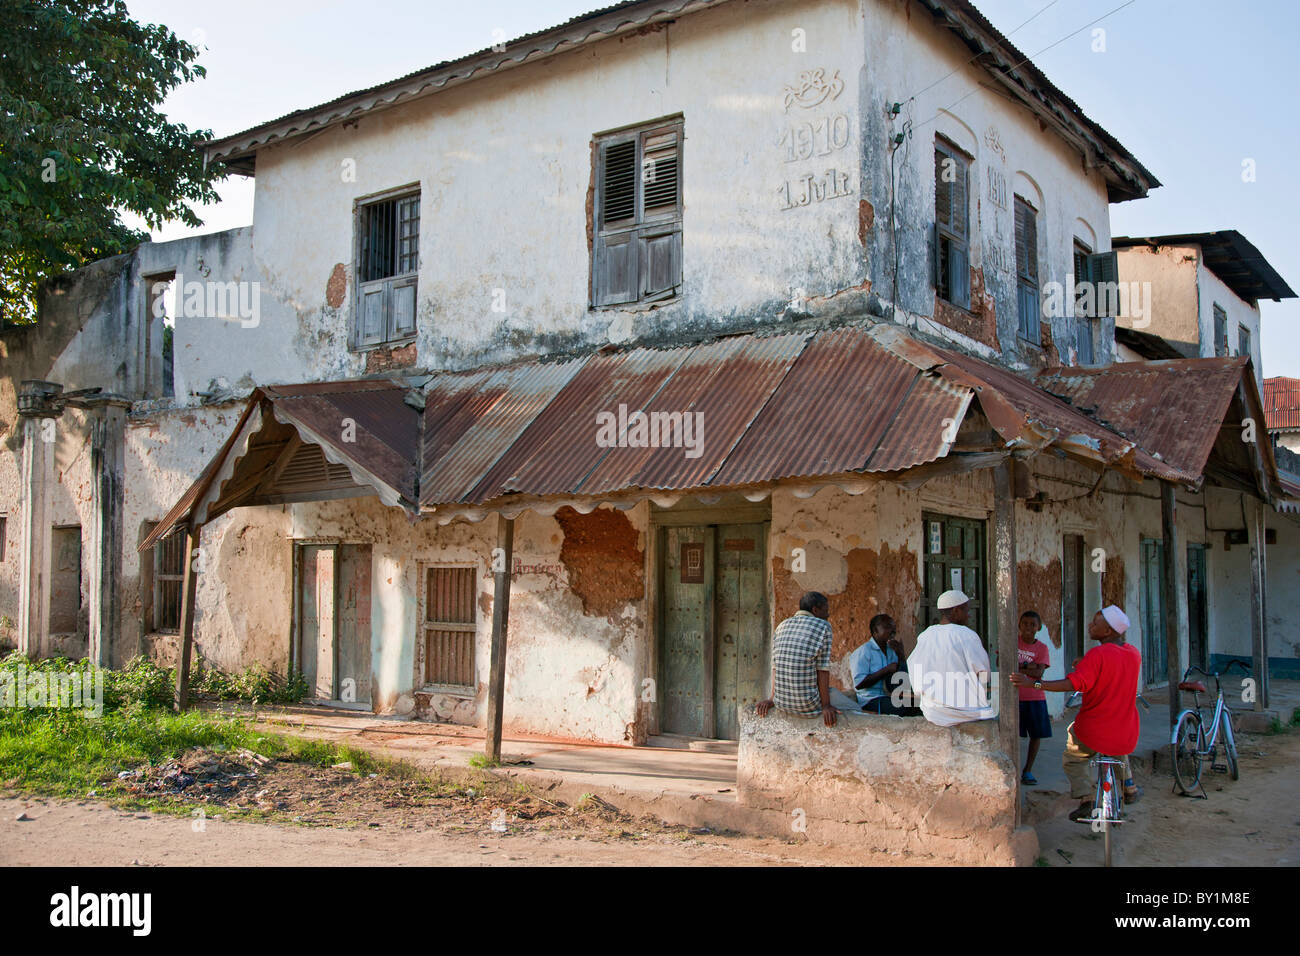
pixel 1108 720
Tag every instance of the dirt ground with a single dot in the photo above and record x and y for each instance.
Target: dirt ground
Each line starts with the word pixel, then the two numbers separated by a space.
pixel 1254 821
pixel 237 808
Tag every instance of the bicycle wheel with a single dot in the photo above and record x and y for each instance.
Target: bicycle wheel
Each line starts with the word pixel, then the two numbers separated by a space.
pixel 1230 745
pixel 1188 743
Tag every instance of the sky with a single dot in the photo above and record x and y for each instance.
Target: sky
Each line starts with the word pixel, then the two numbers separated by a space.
pixel 1193 88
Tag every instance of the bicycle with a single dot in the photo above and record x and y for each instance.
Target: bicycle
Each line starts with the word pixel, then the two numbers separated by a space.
pixel 1108 796
pixel 1188 743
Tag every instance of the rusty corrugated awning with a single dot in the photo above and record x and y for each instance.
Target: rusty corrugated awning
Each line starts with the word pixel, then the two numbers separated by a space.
pixel 295 441
pixel 1173 409
pixel 818 404
pixel 769 407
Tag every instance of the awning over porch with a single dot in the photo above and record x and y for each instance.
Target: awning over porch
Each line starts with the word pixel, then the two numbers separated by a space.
pixel 1195 415
pixel 309 443
pixel 736 414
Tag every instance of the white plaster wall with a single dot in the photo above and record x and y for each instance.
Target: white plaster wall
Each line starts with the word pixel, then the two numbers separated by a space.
pixel 1171 273
pixel 905 53
pixel 568 673
pixel 504 165
pixel 1213 291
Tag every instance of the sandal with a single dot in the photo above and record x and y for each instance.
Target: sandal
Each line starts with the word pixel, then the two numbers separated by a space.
pixel 1082 813
pixel 1028 779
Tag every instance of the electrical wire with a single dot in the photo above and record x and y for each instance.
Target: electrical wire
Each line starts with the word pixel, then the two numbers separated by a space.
pixel 1051 46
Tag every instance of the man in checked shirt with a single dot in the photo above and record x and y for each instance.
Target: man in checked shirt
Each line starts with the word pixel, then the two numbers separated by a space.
pixel 801 662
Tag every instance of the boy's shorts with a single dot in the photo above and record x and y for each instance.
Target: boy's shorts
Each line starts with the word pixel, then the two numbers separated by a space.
pixel 1034 721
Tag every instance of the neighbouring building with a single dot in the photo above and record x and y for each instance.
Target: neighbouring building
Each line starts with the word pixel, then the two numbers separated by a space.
pixel 1282 407
pixel 1199 293
pixel 646 323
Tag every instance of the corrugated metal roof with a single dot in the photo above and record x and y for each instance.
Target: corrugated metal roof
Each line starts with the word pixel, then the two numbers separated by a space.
pixel 466 432
pixel 831 412
pixel 384 433
pixel 1191 397
pixel 385 447
pixel 725 385
pixel 799 405
pixel 1282 403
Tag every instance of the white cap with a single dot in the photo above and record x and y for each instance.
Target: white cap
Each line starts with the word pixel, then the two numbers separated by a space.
pixel 951 599
pixel 1116 618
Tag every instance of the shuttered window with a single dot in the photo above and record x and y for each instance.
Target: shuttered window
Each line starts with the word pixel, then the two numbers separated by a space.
pixel 388 265
pixel 1243 341
pixel 1220 331
pixel 449 627
pixel 1027 271
pixel 1084 323
pixel 637 248
pixel 951 240
pixel 168 573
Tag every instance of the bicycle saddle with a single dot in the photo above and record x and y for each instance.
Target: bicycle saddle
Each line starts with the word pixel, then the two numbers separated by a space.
pixel 1192 685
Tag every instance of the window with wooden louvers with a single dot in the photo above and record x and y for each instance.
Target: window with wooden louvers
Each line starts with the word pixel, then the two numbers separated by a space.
pixel 1027 271
pixel 387 271
pixel 637 254
pixel 1085 323
pixel 449 627
pixel 951 240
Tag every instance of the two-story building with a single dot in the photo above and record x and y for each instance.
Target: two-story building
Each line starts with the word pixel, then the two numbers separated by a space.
pixel 643 324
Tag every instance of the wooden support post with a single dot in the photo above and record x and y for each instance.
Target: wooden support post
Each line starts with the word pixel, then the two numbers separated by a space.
pixel 1169 594
pixel 1008 612
pixel 1259 602
pixel 502 558
pixel 189 586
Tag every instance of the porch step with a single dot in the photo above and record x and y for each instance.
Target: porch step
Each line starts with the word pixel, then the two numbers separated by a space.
pixel 700 744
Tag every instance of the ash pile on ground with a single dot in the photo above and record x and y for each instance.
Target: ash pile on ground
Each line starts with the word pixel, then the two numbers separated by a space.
pixel 242 785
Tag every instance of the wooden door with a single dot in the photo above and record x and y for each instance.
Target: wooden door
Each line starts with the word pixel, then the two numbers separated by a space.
pixel 1072 619
pixel 65 581
pixel 741 648
pixel 1197 618
pixel 353 632
pixel 954 560
pixel 686 640
pixel 316 614
pixel 1154 652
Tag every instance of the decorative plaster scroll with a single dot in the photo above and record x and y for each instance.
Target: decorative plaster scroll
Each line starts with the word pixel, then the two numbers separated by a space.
pixel 993 140
pixel 813 89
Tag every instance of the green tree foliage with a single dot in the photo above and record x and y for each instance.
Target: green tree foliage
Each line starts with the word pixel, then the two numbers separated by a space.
pixel 82 139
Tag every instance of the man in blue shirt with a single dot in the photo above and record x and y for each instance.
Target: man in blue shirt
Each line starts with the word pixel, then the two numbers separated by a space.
pixel 873 666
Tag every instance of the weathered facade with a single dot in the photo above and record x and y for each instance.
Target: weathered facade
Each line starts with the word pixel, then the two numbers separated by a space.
pixel 453 270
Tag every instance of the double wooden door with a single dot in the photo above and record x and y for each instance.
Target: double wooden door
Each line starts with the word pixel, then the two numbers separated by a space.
pixel 714 640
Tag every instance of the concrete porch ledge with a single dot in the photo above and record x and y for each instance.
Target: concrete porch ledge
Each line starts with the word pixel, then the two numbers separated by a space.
pixel 893 784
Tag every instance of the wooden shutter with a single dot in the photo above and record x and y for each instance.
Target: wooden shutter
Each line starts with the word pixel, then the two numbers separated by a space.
pixel 959 274
pixel 401 310
pixel 372 326
pixel 942 190
pixel 1103 273
pixel 662 259
pixel 660 175
pixel 960 200
pixel 616 269
pixel 1026 242
pixel 951 245
pixel 449 626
